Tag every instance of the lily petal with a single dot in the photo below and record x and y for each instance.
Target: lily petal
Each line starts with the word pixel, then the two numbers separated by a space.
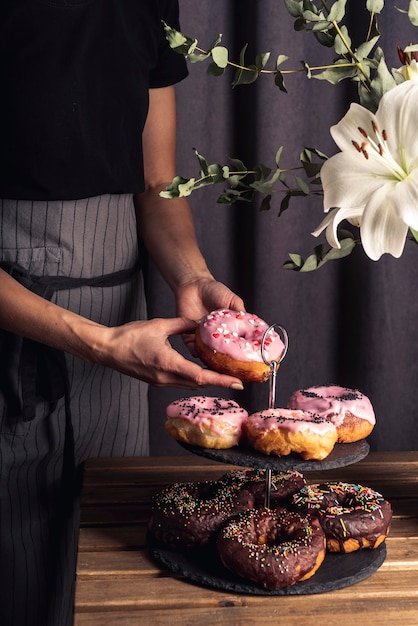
pixel 398 115
pixel 346 182
pixel 331 222
pixel 405 199
pixel 382 230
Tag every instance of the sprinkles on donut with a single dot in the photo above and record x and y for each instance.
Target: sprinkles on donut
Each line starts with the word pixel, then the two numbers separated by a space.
pixel 284 485
pixel 274 548
pixel 283 431
pixel 348 409
pixel 187 515
pixel 353 517
pixel 230 342
pixel 206 421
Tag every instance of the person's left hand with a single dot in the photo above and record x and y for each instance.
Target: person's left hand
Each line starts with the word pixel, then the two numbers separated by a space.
pixel 200 297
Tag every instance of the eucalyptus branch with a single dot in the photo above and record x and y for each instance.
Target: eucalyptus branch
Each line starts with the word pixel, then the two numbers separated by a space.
pixel 362 63
pixel 245 184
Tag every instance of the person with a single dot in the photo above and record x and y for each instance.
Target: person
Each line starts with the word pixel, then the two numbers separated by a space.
pixel 87 142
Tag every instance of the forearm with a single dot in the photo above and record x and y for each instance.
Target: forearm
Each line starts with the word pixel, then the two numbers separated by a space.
pixel 167 229
pixel 27 314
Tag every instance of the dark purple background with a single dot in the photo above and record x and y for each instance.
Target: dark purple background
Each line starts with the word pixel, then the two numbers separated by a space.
pixel 353 322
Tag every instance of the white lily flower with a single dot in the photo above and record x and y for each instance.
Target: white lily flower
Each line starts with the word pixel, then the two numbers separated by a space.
pixel 374 180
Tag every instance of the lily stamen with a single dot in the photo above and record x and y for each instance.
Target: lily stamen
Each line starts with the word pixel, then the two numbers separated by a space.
pixel 365 145
pixel 379 145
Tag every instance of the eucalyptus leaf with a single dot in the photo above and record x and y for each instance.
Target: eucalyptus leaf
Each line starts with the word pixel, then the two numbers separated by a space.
pixel 293 7
pixel 337 11
pixel 324 25
pixel 375 6
pixel 178 188
pixel 214 69
pixel 215 43
pixel 342 45
pixel 284 205
pixel 281 59
pixel 220 56
pixel 278 155
pixel 338 72
pixel 229 196
pixel 243 76
pixel 311 16
pixel 366 48
pixel 261 60
pixel 266 203
pixel 197 57
pixel 326 38
pixel 302 185
pixel 320 256
pixel 383 82
pixel 178 42
pixel 238 165
pixel 279 81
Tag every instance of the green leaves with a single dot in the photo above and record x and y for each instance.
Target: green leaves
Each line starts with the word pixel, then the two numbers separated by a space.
pixel 243 184
pixel 362 62
pixel 375 6
pixel 321 255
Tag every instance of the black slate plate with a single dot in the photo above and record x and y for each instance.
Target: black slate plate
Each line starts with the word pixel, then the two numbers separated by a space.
pixel 343 454
pixel 337 571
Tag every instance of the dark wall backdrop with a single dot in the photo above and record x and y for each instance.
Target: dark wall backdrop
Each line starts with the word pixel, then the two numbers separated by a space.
pixel 353 322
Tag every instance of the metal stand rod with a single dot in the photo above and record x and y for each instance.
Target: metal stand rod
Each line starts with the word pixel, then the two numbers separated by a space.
pixel 274 366
pixel 267 495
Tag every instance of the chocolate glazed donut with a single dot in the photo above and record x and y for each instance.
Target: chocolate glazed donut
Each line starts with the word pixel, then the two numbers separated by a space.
pixel 275 548
pixel 186 515
pixel 283 485
pixel 352 516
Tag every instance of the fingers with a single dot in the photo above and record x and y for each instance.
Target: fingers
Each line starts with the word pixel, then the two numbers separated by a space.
pixel 179 326
pixel 197 379
pixel 177 371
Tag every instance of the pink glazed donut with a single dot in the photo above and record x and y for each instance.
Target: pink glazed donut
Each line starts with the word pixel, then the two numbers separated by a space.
pixel 348 409
pixel 206 421
pixel 230 342
pixel 283 431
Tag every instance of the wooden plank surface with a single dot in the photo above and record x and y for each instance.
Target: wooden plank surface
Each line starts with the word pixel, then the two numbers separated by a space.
pixel 119 583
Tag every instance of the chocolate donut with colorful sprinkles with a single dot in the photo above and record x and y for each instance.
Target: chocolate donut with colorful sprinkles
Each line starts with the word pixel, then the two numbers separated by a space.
pixel 353 517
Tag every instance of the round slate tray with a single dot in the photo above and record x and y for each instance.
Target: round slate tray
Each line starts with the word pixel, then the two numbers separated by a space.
pixel 205 569
pixel 343 454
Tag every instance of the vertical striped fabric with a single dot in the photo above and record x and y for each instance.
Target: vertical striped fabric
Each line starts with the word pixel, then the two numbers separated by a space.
pixel 39 524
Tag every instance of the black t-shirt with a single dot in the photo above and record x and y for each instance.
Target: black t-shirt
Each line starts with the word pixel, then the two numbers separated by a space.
pixel 74 81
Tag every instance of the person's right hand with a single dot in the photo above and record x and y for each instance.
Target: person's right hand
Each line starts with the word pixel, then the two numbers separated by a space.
pixel 142 349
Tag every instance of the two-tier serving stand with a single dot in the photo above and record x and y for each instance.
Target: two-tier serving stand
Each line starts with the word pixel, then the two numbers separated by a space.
pixel 337 571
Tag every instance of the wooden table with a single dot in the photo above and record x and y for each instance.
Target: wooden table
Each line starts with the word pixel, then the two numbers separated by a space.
pixel 119 584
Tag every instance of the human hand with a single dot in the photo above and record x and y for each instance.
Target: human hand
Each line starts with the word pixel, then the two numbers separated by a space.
pixel 142 349
pixel 200 297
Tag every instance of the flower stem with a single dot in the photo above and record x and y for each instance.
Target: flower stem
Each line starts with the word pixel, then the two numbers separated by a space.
pixel 350 52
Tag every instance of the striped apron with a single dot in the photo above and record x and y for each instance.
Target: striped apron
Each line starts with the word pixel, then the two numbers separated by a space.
pixel 82 255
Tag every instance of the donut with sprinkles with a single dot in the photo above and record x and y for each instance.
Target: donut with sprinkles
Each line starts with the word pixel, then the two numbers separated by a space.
pixel 353 517
pixel 230 342
pixel 349 410
pixel 206 421
pixel 283 486
pixel 274 548
pixel 280 432
pixel 187 515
